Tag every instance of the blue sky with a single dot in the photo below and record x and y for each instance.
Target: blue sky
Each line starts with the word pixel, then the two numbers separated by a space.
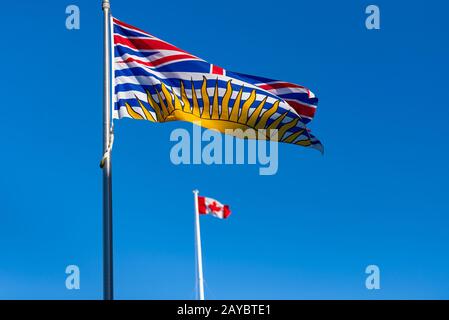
pixel 377 196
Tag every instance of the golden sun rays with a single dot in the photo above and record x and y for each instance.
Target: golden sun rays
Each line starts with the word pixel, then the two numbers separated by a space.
pixel 221 117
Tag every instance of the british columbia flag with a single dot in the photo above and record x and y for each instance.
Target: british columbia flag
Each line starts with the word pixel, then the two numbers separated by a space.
pixel 156 81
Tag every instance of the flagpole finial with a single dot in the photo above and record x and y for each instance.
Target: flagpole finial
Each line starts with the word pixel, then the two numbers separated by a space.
pixel 106 4
pixel 196 191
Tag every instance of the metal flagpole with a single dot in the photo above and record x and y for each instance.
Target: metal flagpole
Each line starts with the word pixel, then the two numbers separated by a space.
pixel 107 178
pixel 199 258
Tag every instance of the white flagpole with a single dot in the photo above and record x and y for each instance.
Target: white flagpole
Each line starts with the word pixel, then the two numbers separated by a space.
pixel 106 162
pixel 199 258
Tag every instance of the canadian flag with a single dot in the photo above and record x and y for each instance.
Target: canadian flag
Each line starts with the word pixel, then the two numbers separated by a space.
pixel 213 207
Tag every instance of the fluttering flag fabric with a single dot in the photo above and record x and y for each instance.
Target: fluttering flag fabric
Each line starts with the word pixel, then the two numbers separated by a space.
pixel 158 82
pixel 213 207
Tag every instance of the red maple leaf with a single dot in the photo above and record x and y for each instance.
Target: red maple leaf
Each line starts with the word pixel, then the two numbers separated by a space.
pixel 214 207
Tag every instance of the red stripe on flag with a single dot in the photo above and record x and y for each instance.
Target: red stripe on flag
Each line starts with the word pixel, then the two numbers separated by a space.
pixel 159 61
pixel 123 24
pixel 279 85
pixel 217 70
pixel 302 109
pixel 145 44
pixel 202 209
pixel 226 211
